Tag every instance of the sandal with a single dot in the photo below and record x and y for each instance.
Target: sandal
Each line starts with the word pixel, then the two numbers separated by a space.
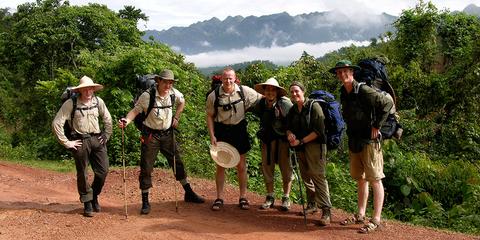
pixel 369 227
pixel 243 204
pixel 217 204
pixel 355 219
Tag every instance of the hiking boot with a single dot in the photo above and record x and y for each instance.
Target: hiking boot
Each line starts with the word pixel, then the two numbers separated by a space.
pixel 285 204
pixel 145 204
pixel 268 203
pixel 311 209
pixel 87 209
pixel 95 204
pixel 326 216
pixel 191 196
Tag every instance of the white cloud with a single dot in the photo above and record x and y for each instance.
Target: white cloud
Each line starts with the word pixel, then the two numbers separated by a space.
pixel 278 55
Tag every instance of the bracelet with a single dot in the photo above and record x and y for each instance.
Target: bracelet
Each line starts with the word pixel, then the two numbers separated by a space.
pixel 301 142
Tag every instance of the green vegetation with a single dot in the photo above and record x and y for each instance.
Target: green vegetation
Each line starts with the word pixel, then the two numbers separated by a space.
pixel 434 65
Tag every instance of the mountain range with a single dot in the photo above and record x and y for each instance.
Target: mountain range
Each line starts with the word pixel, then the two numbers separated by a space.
pixel 271 30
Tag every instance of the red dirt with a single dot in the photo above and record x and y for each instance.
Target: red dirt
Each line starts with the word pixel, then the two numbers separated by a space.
pixel 40 204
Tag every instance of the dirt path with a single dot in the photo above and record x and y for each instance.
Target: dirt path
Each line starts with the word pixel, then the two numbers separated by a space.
pixel 39 204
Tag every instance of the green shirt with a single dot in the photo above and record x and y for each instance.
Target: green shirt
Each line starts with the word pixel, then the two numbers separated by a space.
pixel 298 125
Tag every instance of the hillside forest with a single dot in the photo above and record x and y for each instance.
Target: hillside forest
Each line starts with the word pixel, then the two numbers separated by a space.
pixel 432 173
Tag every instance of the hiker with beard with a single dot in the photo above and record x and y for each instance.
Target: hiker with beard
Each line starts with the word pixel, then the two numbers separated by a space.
pixel 272 110
pixel 157 135
pixel 226 107
pixel 309 141
pixel 87 142
pixel 364 110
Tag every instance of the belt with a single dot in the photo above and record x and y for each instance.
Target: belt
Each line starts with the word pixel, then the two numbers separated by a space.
pixel 157 131
pixel 85 135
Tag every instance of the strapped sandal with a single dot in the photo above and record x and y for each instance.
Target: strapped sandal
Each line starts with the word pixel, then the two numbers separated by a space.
pixel 355 219
pixel 371 226
pixel 243 204
pixel 217 204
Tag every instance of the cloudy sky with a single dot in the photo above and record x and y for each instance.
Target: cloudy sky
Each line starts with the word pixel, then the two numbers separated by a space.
pixel 164 14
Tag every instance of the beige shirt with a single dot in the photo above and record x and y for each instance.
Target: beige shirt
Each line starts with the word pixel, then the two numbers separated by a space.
pixel 159 118
pixel 232 117
pixel 84 121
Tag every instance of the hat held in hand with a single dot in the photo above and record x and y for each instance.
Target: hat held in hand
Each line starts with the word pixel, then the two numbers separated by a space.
pixel 225 155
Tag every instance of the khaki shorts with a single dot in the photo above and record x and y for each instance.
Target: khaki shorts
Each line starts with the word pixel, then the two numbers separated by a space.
pixel 367 164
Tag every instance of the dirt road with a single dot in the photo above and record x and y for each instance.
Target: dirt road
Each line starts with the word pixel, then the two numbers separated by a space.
pixel 40 204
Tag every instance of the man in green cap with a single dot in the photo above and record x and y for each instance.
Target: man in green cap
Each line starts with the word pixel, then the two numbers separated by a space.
pixel 157 135
pixel 364 111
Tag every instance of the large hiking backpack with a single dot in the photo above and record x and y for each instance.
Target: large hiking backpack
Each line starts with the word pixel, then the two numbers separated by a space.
pixel 146 83
pixel 373 73
pixel 334 124
pixel 69 94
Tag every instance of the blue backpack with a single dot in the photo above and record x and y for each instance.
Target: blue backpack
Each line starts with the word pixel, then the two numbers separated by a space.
pixel 334 124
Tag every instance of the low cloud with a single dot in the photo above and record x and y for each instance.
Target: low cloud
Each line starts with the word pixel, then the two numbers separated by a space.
pixel 277 55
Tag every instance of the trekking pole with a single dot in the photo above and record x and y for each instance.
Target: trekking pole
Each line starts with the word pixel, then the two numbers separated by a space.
pixel 174 168
pixel 294 162
pixel 124 173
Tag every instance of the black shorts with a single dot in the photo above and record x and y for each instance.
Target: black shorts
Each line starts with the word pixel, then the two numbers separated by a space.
pixel 236 135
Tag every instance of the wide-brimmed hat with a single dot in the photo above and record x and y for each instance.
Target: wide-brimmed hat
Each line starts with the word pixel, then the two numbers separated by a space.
pixel 343 64
pixel 87 82
pixel 260 87
pixel 225 155
pixel 166 74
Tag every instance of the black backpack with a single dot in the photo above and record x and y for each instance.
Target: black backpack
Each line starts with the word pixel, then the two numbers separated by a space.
pixel 373 73
pixel 226 107
pixel 146 83
pixel 68 126
pixel 334 124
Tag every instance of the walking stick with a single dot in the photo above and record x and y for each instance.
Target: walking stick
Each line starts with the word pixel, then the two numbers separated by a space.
pixel 294 162
pixel 174 168
pixel 124 173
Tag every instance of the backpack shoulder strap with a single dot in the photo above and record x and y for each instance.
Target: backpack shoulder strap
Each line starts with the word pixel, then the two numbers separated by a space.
pixel 74 108
pixel 356 90
pixel 310 106
pixel 151 102
pixel 216 102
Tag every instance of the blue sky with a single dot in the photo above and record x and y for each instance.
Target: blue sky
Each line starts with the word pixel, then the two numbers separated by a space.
pixel 164 14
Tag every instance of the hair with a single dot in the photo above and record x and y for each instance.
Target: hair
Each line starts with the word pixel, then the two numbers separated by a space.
pixel 228 68
pixel 298 84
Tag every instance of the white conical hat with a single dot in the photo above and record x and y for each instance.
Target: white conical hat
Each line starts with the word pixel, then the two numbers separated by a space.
pixel 225 155
pixel 260 88
pixel 87 82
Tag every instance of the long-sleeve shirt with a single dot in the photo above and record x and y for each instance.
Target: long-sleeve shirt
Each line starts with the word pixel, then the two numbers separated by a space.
pixel 85 119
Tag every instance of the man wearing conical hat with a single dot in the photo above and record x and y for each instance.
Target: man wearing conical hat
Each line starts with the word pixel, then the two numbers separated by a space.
pixel 87 142
pixel 272 110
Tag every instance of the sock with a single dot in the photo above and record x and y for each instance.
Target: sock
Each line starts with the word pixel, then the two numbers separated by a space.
pixel 184 182
pixel 145 190
pixel 270 194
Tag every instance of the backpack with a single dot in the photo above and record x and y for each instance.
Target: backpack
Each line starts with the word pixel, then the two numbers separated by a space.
pixel 334 124
pixel 147 84
pixel 373 73
pixel 69 94
pixel 226 107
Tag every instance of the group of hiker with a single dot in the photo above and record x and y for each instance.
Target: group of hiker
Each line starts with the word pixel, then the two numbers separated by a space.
pixel 288 127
